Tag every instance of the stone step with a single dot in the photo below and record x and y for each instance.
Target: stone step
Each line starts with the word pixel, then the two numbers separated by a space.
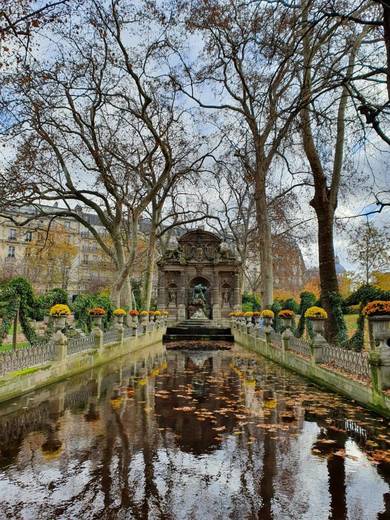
pixel 198 330
pixel 198 337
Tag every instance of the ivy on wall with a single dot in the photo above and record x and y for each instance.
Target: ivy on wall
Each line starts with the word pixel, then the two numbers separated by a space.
pixel 16 300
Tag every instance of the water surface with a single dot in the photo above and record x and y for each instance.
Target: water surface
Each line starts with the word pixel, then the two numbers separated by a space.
pixel 191 435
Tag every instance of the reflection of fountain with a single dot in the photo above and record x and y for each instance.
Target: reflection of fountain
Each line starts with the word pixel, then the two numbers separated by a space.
pixel 198 358
pixel 192 414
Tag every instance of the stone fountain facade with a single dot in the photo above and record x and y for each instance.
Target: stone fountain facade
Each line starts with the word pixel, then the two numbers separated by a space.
pixel 200 278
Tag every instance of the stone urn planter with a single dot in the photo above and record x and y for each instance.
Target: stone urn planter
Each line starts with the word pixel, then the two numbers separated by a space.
pixel 319 342
pixel 144 319
pixel 318 325
pixel 96 314
pixel 317 317
pixel 381 333
pixel 268 317
pixel 97 321
pixel 119 315
pixel 59 314
pixel 134 322
pixel 119 320
pixel 381 329
pixel 286 317
pixel 59 322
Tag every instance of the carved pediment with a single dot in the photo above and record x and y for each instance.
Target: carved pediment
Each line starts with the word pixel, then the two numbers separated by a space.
pixel 199 236
pixel 199 247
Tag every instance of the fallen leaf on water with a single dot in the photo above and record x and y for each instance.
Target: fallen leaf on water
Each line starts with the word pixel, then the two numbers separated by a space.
pixel 184 408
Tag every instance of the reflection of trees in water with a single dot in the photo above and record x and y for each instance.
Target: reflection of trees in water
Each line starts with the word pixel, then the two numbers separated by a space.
pixel 140 469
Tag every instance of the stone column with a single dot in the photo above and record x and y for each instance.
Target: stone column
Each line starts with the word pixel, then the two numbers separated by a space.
pixel 61 346
pixel 181 298
pixel 216 303
pixel 120 330
pixel 237 293
pixel 286 335
pixel 98 335
pixel 161 296
pixel 319 342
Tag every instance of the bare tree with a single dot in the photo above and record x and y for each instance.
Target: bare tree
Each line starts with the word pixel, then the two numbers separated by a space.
pixel 326 163
pixel 248 67
pixel 97 126
pixel 369 248
pixel 366 85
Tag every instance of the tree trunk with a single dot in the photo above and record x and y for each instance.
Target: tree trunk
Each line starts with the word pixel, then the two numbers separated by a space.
pixel 386 31
pixel 15 329
pixel 126 294
pixel 265 241
pixel 150 260
pixel 125 265
pixel 327 265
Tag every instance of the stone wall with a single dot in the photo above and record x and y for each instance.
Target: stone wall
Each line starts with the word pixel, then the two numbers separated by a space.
pixel 274 347
pixel 79 358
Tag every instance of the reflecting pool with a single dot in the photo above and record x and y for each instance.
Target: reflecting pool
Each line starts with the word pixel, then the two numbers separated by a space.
pixel 191 435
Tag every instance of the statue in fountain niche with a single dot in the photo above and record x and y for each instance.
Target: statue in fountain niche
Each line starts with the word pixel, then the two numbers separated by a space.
pixel 199 294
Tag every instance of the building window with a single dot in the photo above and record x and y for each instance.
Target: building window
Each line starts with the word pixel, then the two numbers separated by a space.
pixel 12 234
pixel 29 236
pixel 11 252
pixel 85 259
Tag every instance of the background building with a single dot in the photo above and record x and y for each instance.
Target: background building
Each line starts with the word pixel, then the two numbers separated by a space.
pixel 55 253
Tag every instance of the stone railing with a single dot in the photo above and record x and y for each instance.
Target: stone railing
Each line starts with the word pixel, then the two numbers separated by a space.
pixel 299 346
pixel 28 357
pixel 129 332
pixel 59 347
pixel 356 363
pixel 363 376
pixel 76 345
pixel 111 336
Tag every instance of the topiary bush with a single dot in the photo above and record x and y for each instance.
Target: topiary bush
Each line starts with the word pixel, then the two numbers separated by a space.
pixel 276 307
pixel 308 299
pixel 17 299
pixel 291 304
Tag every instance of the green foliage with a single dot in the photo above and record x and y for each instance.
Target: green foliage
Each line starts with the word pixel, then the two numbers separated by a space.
pixel 276 307
pixel 308 299
pixel 43 303
pixel 17 295
pixel 250 302
pixel 291 304
pixel 336 303
pixel 136 287
pixel 84 302
pixel 364 294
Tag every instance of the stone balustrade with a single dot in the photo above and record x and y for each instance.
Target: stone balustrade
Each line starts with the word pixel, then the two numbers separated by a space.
pixel 362 376
pixel 25 369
